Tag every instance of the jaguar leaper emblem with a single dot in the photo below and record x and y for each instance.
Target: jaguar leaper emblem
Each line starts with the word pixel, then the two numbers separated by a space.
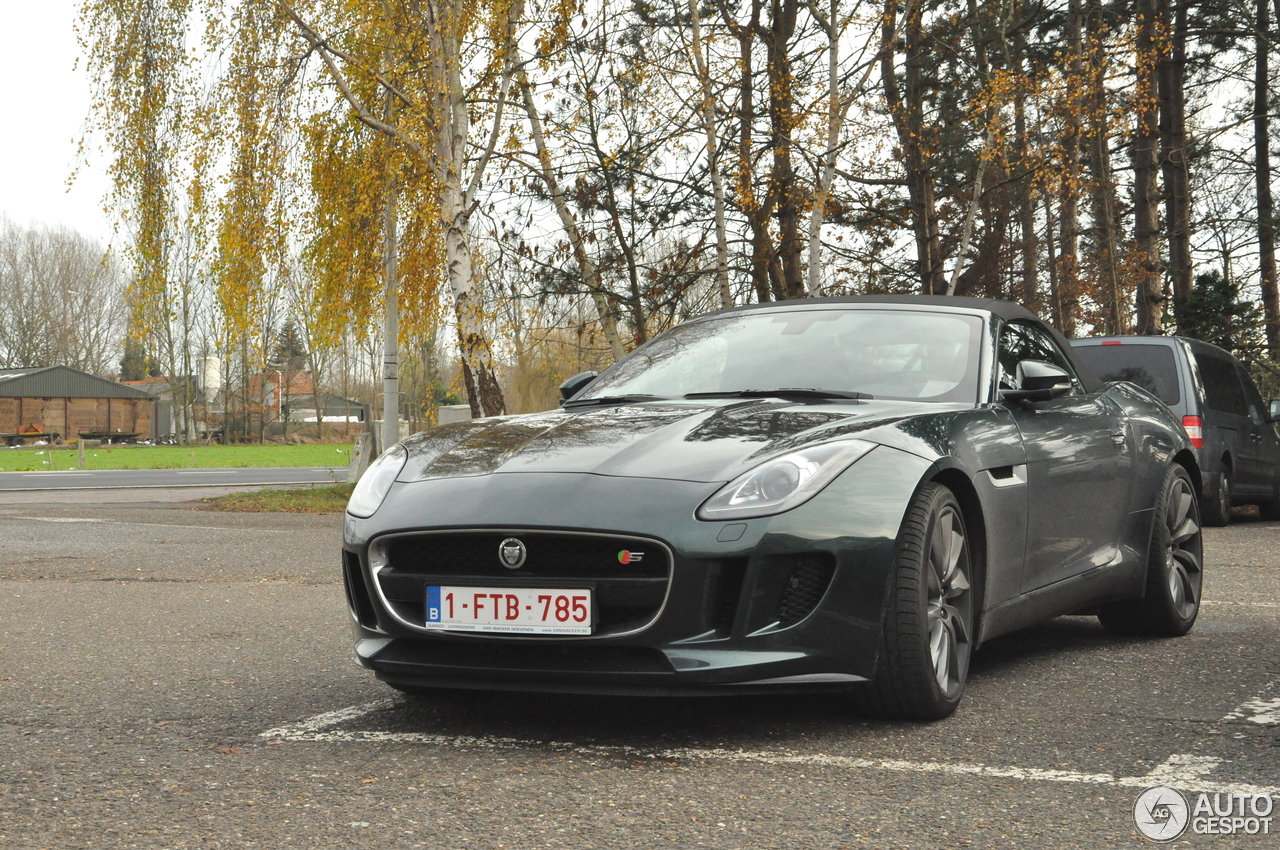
pixel 512 553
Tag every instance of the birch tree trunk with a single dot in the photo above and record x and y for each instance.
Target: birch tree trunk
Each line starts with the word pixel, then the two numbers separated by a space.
pixel 1106 220
pixel 1066 269
pixel 1173 147
pixel 1146 223
pixel 908 120
pixel 706 110
pixel 590 274
pixel 782 121
pixel 1262 178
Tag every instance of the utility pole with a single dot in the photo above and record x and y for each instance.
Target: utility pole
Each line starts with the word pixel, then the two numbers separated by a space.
pixel 391 330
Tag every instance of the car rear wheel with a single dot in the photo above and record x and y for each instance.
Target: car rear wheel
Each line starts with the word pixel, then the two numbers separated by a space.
pixel 1175 567
pixel 1217 507
pixel 927 635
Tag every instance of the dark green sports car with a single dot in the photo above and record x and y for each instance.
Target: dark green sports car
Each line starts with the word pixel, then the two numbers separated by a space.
pixel 843 493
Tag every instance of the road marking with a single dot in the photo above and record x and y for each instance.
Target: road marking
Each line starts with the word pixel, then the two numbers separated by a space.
pixel 1188 771
pixel 60 519
pixel 1241 604
pixel 1260 710
pixel 148 524
pixel 62 472
pixel 207 471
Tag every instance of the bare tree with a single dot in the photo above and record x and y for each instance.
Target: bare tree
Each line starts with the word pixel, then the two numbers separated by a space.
pixel 60 300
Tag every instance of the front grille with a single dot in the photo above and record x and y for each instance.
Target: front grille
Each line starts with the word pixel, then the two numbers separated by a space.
pixel 568 556
pixel 629 575
pixel 804 587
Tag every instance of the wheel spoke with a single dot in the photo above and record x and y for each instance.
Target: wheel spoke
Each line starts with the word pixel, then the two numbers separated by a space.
pixel 1188 559
pixel 942 647
pixel 1179 505
pixel 957 622
pixel 1184 532
pixel 938 556
pixel 1186 593
pixel 956 549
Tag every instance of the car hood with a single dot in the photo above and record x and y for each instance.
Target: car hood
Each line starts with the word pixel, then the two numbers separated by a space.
pixel 706 441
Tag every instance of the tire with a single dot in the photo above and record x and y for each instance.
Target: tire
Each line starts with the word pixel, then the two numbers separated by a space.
pixel 1175 567
pixel 927 634
pixel 1216 510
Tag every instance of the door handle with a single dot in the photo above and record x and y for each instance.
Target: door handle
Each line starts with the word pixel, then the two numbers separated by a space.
pixel 1117 438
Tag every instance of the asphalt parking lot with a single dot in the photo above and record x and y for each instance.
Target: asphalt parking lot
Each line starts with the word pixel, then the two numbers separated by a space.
pixel 179 678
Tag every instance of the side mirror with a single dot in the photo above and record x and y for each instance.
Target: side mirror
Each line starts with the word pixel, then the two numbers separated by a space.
pixel 1273 410
pixel 1038 381
pixel 576 384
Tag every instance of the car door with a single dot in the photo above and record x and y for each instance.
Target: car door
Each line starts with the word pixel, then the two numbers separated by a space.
pixel 1227 414
pixel 1262 450
pixel 1079 464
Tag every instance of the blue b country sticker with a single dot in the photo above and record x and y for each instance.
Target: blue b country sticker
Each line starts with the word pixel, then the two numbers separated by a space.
pixel 433 604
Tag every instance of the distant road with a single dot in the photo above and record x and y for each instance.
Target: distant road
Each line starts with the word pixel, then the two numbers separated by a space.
pixel 169 478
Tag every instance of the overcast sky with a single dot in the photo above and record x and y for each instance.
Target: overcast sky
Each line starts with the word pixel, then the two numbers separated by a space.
pixel 44 100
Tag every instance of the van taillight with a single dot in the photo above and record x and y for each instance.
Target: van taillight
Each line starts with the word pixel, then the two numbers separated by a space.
pixel 1195 430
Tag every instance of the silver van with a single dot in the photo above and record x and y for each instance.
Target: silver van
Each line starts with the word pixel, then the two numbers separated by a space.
pixel 1220 408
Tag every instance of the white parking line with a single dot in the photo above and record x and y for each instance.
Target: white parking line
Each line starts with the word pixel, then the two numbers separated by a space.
pixel 1240 604
pixel 1261 710
pixel 63 519
pixel 1186 771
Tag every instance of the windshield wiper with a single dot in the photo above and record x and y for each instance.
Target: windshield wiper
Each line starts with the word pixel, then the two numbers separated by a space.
pixel 605 400
pixel 782 392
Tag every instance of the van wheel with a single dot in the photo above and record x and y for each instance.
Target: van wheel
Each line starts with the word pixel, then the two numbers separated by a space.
pixel 1216 510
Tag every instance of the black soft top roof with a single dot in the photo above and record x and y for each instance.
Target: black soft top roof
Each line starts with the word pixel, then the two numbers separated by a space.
pixel 1005 310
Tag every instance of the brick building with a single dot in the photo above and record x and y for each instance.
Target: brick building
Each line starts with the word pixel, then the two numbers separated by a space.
pixel 59 400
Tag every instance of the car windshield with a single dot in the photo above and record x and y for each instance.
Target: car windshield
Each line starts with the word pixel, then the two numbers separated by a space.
pixel 902 354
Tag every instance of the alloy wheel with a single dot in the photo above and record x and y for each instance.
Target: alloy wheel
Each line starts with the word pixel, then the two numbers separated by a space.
pixel 1183 552
pixel 949 606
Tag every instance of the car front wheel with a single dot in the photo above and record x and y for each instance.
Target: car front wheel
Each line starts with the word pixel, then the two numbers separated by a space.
pixel 927 634
pixel 1175 567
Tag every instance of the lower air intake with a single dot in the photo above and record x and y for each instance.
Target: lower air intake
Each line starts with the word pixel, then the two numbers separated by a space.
pixel 804 587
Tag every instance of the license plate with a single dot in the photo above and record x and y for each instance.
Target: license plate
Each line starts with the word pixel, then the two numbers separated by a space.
pixel 526 611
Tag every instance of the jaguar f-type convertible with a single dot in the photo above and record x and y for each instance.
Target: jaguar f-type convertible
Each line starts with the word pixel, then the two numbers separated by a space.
pixel 842 493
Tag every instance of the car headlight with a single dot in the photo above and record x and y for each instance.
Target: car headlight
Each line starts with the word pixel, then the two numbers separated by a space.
pixel 372 487
pixel 784 482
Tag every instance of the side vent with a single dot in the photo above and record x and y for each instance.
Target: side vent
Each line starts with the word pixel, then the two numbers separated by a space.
pixel 804 587
pixel 358 599
pixel 728 592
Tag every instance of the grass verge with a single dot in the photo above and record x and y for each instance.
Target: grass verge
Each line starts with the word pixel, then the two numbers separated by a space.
pixel 309 500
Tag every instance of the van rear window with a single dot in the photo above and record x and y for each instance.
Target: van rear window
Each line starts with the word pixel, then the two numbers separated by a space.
pixel 1149 366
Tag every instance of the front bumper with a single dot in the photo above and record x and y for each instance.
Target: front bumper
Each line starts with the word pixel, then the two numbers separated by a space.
pixel 789 602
